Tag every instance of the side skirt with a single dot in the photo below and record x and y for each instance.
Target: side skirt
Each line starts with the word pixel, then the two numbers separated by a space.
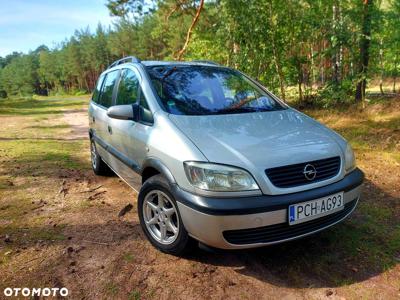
pixel 123 171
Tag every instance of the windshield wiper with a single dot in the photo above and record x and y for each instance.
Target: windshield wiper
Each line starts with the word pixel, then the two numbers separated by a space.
pixel 168 73
pixel 236 110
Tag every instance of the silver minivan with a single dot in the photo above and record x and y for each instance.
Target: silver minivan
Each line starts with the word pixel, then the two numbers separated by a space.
pixel 223 161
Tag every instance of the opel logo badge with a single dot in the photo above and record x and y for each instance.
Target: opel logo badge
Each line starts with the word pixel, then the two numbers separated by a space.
pixel 309 172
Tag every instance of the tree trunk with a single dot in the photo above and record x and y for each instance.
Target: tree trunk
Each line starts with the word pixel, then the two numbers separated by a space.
pixel 313 79
pixel 279 71
pixel 300 81
pixel 277 61
pixel 300 93
pixel 189 33
pixel 340 60
pixel 335 29
pixel 364 50
pixel 381 65
pixel 395 74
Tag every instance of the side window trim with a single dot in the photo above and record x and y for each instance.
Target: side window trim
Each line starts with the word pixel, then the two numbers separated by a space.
pixel 115 89
pixel 139 78
pixel 121 75
pixel 141 94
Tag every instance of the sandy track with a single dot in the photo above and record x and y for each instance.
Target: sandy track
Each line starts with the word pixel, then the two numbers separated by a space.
pixel 78 121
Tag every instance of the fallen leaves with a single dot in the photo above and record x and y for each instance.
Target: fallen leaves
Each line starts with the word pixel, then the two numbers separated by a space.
pixel 63 190
pixel 329 293
pixel 92 190
pixel 125 210
pixel 96 195
pixel 40 203
pixel 7 239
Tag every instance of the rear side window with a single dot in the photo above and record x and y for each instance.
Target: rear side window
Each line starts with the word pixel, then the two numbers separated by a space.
pixel 105 98
pixel 128 88
pixel 96 91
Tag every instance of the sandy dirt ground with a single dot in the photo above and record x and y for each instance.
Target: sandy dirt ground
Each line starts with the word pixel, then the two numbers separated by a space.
pixel 78 121
pixel 102 256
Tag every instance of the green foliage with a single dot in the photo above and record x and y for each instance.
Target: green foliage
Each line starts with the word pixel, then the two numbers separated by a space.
pixel 311 46
pixel 334 94
pixel 20 77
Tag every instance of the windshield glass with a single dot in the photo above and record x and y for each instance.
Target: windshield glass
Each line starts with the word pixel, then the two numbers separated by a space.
pixel 206 90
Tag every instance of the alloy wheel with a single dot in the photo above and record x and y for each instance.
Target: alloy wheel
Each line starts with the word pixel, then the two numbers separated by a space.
pixel 161 217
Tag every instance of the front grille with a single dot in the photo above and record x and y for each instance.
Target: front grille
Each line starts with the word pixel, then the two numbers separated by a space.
pixel 293 175
pixel 283 231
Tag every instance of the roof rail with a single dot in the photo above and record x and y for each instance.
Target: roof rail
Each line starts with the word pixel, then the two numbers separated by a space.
pixel 206 62
pixel 131 59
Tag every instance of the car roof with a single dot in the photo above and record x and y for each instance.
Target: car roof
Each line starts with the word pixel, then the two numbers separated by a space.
pixel 152 63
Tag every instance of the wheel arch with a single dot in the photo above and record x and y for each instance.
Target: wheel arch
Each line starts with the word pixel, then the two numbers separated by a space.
pixel 90 133
pixel 153 167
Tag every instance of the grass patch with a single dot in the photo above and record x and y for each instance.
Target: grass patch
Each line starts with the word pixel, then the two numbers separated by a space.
pixel 128 257
pixel 134 295
pixel 41 157
pixel 375 128
pixel 111 288
pixel 40 106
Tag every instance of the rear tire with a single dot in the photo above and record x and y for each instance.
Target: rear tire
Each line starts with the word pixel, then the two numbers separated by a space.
pixel 160 219
pixel 98 165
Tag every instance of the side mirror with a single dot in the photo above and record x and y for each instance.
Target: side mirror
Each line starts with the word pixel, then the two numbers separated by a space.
pixel 124 112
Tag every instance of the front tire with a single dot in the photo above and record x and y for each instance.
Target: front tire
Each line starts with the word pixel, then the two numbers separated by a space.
pixel 160 219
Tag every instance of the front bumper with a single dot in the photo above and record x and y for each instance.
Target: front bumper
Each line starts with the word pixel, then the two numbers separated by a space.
pixel 228 223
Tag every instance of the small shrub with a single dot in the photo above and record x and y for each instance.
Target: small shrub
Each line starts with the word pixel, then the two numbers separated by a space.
pixel 336 94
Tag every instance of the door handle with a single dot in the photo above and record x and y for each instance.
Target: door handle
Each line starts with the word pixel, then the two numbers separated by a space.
pixel 94 119
pixel 109 129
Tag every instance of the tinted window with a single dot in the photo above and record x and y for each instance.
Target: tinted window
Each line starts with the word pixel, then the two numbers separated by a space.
pixel 128 88
pixel 96 91
pixel 205 90
pixel 146 115
pixel 107 89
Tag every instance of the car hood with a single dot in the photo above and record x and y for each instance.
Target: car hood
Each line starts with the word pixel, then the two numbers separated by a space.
pixel 260 140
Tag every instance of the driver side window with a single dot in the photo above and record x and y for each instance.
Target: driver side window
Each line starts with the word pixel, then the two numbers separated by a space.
pixel 128 88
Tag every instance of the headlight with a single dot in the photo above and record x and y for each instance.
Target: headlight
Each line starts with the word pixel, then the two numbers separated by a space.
pixel 350 159
pixel 219 178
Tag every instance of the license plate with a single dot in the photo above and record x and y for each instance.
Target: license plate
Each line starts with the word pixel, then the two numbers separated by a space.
pixel 307 211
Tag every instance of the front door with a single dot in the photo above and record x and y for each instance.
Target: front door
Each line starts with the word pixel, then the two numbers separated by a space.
pixel 130 137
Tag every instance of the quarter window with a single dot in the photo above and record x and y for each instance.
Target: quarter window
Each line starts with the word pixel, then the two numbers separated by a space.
pixel 107 89
pixel 128 88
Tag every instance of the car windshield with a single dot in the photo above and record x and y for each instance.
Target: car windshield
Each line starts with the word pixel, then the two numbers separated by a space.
pixel 208 90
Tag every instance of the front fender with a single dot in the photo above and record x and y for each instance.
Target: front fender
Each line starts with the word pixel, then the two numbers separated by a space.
pixel 160 167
